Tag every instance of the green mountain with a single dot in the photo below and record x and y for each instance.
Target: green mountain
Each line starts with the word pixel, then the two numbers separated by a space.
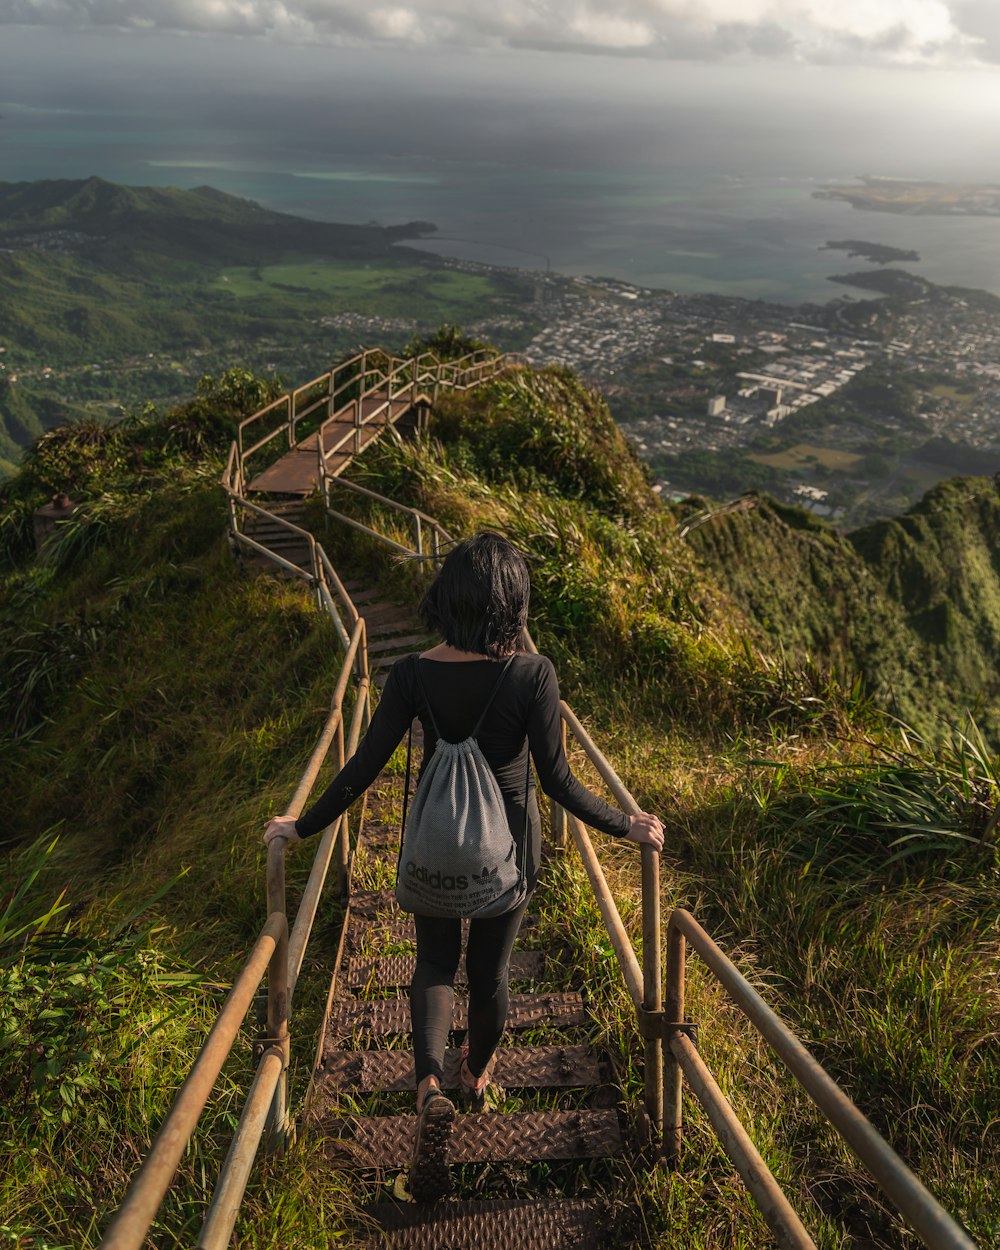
pixel 134 231
pixel 117 296
pixel 911 603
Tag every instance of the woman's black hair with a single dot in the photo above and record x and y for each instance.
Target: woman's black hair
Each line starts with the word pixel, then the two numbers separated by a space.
pixel 479 599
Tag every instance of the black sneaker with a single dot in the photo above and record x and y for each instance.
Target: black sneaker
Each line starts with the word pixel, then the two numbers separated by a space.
pixel 430 1175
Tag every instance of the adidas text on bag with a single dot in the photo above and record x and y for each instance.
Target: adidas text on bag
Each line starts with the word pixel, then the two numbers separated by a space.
pixel 458 856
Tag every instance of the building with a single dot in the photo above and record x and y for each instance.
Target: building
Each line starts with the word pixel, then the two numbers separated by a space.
pixel 716 405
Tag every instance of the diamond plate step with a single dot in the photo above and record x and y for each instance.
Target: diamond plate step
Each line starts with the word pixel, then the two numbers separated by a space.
pixel 381 905
pixel 379 838
pixel 374 905
pixel 397 970
pixel 510 1224
pixel 413 641
pixel 528 1067
pixel 399 928
pixel 387 1141
pixel 392 1015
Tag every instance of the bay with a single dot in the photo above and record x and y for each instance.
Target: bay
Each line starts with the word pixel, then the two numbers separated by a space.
pixel 683 227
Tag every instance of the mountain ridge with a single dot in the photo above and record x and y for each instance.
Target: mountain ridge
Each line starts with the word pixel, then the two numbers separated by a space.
pixel 911 602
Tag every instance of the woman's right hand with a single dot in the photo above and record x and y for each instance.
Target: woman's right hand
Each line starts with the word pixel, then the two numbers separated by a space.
pixel 647 830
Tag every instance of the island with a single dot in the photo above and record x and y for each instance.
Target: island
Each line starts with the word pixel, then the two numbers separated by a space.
pixel 879 253
pixel 893 282
pixel 900 195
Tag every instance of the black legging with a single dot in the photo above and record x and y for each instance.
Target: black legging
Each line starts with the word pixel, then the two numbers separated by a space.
pixel 487 965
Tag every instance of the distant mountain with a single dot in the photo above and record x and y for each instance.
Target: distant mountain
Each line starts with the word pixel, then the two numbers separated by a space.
pixel 912 603
pixel 92 272
pixel 133 229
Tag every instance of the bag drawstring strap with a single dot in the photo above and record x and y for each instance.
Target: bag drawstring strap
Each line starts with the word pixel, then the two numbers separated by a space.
pixel 493 695
pixel 406 795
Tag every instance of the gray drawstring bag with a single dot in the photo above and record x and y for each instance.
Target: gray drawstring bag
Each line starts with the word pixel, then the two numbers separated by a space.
pixel 458 856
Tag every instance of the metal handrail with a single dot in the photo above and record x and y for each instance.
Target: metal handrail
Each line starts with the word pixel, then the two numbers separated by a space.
pixel 924 1213
pixel 127 1230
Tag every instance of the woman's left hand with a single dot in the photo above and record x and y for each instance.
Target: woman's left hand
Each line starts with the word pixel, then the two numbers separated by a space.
pixel 281 827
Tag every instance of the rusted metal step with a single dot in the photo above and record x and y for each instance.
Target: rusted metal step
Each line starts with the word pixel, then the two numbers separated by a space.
pixel 379 838
pixel 517 1067
pixel 392 1015
pixel 383 626
pixel 398 927
pixel 378 608
pixel 507 1224
pixel 397 970
pixel 387 1141
pixel 411 641
pixel 375 905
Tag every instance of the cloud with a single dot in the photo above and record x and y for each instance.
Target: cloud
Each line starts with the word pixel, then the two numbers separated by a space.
pixel 931 32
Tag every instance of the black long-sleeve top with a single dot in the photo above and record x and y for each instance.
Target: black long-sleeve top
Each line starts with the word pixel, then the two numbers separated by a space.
pixel 524 714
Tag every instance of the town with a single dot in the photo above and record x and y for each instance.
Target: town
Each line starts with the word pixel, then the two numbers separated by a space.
pixel 851 409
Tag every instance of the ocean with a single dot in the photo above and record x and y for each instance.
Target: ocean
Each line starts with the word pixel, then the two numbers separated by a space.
pixel 672 221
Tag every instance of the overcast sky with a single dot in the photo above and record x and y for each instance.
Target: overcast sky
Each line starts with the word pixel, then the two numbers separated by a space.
pixel 917 33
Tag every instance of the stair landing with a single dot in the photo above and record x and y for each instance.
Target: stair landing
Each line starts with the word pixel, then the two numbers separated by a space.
pixel 297 472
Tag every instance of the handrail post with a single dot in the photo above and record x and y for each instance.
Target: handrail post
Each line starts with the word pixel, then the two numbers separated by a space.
pixel 290 418
pixel 652 995
pixel 317 572
pixel 420 537
pixel 277 1000
pixel 343 858
pixel 672 1074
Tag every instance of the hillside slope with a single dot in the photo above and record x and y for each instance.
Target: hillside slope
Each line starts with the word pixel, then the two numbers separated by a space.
pixel 911 603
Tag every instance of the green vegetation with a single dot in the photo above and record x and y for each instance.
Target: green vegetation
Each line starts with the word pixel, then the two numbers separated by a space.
pixel 880 253
pixel 720 473
pixel 806 455
pixel 168 700
pixel 387 287
pixel 912 603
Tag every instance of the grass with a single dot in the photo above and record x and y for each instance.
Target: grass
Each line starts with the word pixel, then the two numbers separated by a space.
pixel 806 455
pixel 959 395
pixel 384 286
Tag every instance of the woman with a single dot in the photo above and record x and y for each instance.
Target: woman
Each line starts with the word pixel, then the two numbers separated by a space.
pixel 478 603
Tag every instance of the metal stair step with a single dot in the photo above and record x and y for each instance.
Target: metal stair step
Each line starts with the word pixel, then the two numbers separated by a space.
pixel 274 533
pixel 374 904
pixel 410 641
pixel 382 626
pixel 398 926
pixel 506 1224
pixel 377 609
pixel 380 1016
pixel 277 538
pixel 379 838
pixel 517 1067
pixel 396 971
pixel 387 1141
